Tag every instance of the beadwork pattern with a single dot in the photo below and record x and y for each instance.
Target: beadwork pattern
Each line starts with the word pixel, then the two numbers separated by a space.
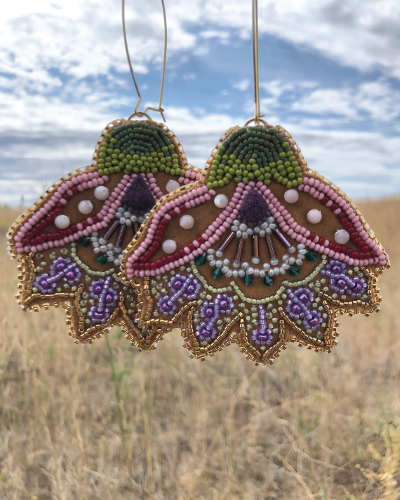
pixel 255 153
pixel 187 287
pixel 269 253
pixel 282 280
pixel 69 245
pixel 138 147
pixel 210 312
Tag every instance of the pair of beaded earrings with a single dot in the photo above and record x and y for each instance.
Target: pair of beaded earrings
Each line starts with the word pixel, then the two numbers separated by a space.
pixel 256 249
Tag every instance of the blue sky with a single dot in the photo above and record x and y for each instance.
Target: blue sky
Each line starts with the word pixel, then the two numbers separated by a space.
pixel 329 74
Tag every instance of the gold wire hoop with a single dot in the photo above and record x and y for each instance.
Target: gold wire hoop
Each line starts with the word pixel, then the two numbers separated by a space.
pixel 254 30
pixel 257 120
pixel 141 114
pixel 254 26
pixel 160 109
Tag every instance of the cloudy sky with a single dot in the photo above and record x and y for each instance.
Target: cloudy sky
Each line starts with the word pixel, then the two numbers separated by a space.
pixel 329 73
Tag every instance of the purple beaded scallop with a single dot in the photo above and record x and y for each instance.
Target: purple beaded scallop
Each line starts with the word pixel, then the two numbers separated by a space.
pixel 340 281
pixel 210 312
pixel 106 297
pixel 60 269
pixel 187 287
pixel 263 335
pixel 298 307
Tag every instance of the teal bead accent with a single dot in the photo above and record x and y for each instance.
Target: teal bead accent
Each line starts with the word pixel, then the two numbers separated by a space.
pixel 294 270
pixel 268 280
pixel 200 259
pixel 311 255
pixel 102 259
pixel 217 273
pixel 85 241
pixel 247 279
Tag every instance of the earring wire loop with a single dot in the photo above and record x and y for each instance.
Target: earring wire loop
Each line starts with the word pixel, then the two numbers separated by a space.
pixel 257 113
pixel 160 109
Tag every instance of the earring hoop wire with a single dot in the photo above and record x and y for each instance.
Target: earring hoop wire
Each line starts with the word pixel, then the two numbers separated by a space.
pixel 160 109
pixel 254 26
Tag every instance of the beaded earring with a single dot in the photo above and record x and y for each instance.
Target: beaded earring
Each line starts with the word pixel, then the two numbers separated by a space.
pixel 271 252
pixel 256 250
pixel 69 245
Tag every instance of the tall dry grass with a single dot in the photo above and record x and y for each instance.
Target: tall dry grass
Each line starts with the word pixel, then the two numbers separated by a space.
pixel 102 421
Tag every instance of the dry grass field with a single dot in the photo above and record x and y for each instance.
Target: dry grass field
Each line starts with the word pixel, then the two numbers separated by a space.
pixel 103 421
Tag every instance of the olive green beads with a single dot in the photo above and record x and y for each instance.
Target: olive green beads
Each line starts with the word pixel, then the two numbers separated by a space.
pixel 258 154
pixel 138 147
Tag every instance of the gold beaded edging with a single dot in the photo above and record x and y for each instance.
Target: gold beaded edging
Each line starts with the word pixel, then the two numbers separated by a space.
pixel 184 319
pixel 288 330
pixel 71 301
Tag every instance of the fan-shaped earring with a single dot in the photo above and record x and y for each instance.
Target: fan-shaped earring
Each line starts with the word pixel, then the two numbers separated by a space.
pixel 256 250
pixel 69 245
pixel 273 253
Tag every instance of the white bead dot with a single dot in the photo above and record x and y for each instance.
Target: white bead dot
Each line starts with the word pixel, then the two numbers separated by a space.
pixel 314 216
pixel 172 186
pixel 186 221
pixel 291 195
pixel 62 222
pixel 101 193
pixel 169 246
pixel 85 207
pixel 342 236
pixel 221 201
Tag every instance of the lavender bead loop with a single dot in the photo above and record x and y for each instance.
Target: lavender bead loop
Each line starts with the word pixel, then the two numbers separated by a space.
pixel 340 281
pixel 298 307
pixel 106 297
pixel 210 312
pixel 44 285
pixel 180 285
pixel 60 269
pixel 263 335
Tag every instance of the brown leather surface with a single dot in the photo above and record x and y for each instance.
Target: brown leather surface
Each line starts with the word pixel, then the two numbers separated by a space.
pixel 71 210
pixel 205 214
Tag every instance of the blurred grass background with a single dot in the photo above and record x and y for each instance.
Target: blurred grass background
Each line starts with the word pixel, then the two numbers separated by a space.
pixel 103 421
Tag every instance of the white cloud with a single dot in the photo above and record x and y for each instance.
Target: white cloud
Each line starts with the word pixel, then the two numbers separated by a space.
pixel 324 101
pixel 54 137
pixel 276 89
pixel 189 76
pixel 362 34
pixel 80 38
pixel 223 35
pixel 376 99
pixel 242 85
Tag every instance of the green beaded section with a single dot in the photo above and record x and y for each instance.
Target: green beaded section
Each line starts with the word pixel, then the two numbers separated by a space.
pixel 258 154
pixel 201 259
pixel 102 259
pixel 247 279
pixel 268 280
pixel 216 273
pixel 139 148
pixel 85 241
pixel 294 270
pixel 311 255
